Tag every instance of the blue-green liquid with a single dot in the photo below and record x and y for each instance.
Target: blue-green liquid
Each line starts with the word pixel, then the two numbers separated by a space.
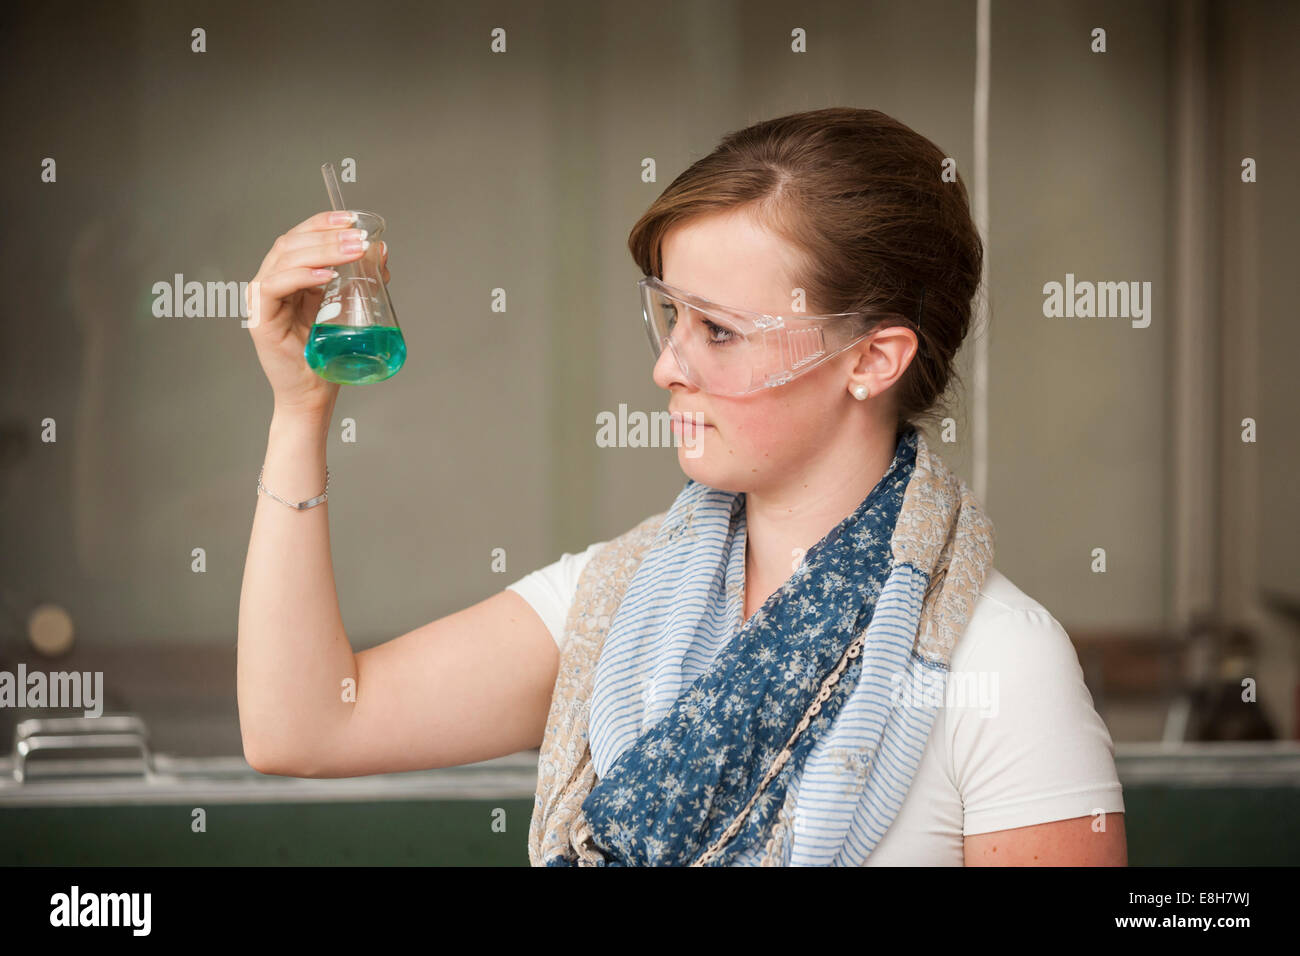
pixel 355 355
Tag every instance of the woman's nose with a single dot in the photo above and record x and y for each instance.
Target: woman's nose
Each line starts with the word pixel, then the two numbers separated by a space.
pixel 667 370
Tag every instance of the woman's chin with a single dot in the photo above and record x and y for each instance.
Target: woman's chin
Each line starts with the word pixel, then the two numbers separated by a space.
pixel 699 468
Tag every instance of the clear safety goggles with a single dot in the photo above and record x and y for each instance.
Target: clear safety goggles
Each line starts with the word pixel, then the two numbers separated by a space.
pixel 729 351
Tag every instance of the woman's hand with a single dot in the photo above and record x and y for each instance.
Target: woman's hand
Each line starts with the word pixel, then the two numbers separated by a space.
pixel 284 298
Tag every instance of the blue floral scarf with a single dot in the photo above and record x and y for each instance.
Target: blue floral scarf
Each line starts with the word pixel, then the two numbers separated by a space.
pixel 712 741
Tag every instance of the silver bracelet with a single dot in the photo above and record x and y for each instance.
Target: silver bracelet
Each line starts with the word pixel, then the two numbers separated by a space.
pixel 301 505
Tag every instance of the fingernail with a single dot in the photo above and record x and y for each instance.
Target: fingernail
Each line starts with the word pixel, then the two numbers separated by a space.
pixel 342 218
pixel 385 245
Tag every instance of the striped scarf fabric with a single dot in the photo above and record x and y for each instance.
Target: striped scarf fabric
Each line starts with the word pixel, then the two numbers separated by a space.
pixel 788 739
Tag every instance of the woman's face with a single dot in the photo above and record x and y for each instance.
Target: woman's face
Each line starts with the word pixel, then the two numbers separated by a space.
pixel 770 437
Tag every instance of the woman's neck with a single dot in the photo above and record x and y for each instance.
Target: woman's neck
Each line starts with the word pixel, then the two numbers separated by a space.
pixel 782 523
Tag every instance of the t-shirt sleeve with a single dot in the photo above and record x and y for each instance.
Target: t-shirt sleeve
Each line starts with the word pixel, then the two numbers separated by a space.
pixel 1026 743
pixel 550 590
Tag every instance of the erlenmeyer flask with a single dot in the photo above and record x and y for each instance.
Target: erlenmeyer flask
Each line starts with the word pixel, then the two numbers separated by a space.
pixel 356 339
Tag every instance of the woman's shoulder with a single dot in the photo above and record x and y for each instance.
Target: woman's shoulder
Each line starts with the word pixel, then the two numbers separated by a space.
pixel 1005 625
pixel 565 571
pixel 1000 592
pixel 552 589
pixel 638 536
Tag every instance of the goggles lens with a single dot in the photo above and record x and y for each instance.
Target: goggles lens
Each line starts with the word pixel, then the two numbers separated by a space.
pixel 728 353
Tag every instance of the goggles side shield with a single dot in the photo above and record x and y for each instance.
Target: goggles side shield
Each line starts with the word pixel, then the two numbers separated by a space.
pixel 730 351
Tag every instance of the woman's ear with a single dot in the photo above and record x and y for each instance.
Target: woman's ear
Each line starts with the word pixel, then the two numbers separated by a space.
pixel 885 356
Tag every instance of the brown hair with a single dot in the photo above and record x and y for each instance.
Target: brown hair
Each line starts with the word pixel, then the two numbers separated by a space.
pixel 860 197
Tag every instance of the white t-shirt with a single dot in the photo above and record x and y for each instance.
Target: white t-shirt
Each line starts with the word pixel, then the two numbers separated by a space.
pixel 1040 753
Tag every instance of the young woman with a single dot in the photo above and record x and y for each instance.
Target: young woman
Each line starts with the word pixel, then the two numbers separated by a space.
pixel 807 658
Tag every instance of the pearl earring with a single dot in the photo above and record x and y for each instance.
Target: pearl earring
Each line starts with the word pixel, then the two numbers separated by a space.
pixel 860 392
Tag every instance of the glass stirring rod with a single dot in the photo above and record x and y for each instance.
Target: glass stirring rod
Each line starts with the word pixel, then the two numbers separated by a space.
pixel 358 307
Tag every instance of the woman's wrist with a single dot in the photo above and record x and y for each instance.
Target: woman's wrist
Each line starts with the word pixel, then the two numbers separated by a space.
pixel 298 419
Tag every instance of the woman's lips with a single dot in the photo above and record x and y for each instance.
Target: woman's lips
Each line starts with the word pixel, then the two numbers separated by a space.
pixel 682 422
